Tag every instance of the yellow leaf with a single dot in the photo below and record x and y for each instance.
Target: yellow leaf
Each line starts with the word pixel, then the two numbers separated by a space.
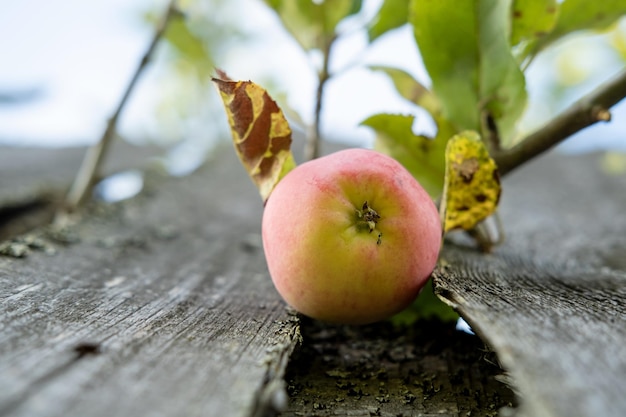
pixel 261 133
pixel 472 184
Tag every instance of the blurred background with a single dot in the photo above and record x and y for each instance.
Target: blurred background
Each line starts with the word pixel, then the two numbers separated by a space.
pixel 65 64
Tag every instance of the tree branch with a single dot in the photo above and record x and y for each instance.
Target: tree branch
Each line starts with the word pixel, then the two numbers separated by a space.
pixel 88 171
pixel 590 109
pixel 311 147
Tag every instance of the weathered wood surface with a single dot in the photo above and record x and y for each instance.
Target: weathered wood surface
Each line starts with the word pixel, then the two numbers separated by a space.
pixel 552 300
pixel 32 181
pixel 24 172
pixel 164 308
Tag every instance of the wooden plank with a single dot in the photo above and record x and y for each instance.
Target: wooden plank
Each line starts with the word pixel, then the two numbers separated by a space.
pixel 33 181
pixel 163 308
pixel 28 172
pixel 551 301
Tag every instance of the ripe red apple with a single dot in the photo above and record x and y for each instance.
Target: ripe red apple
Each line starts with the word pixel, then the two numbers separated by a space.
pixel 350 237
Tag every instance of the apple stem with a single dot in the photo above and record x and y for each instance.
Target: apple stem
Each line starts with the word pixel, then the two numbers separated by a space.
pixel 369 217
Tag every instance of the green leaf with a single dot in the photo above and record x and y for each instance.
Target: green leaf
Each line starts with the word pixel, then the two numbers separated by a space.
pixel 421 156
pixel 532 19
pixel 465 48
pixel 577 15
pixel 426 306
pixel 313 24
pixel 411 89
pixel 392 14
pixel 187 43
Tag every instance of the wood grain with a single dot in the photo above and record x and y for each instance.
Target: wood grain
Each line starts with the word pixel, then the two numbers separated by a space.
pixel 163 308
pixel 552 300
pixel 34 181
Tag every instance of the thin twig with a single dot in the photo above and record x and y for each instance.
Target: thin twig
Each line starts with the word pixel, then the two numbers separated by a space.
pixel 90 167
pixel 490 132
pixel 590 109
pixel 311 147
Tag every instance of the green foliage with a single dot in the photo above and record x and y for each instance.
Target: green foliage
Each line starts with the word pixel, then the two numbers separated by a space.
pixel 194 40
pixel 427 306
pixel 392 14
pixel 575 15
pixel 187 43
pixel 422 156
pixel 411 89
pixel 313 24
pixel 470 61
pixel 531 21
pixel 474 52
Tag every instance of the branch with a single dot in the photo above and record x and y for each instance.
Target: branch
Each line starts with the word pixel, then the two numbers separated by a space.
pixel 590 109
pixel 311 147
pixel 88 171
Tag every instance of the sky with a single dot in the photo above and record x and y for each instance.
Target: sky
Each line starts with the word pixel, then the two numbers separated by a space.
pixel 75 58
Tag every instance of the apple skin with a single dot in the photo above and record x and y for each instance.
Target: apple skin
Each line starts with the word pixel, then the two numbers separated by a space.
pixel 326 261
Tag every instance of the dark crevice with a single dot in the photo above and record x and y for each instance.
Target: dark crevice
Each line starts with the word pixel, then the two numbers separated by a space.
pixel 22 217
pixel 82 350
pixel 426 368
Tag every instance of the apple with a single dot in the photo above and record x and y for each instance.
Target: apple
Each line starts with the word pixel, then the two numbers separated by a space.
pixel 350 237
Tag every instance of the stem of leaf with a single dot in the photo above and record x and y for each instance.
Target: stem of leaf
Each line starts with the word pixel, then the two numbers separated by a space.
pixel 90 167
pixel 590 109
pixel 311 147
